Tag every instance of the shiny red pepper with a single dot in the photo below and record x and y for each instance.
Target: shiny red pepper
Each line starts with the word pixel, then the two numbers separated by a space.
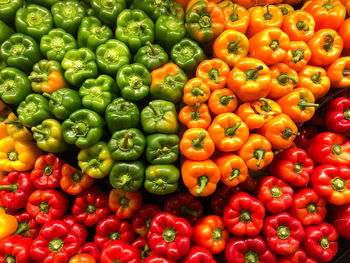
pixel 121 252
pixel 222 196
pixel 27 226
pixel 302 140
pixel 92 249
pixel 77 229
pixel 15 248
pixel 298 256
pixel 154 258
pixel 251 183
pixel 338 115
pixel 199 254
pixel 142 245
pixel 141 221
pixel 341 220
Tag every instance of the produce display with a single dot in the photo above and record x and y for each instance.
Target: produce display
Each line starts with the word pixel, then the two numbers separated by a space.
pixel 164 131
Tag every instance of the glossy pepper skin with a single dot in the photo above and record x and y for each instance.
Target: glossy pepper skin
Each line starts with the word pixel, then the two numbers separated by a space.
pixel 16 249
pixel 199 254
pixel 152 56
pixel 306 133
pixel 155 258
pixel 214 72
pixel 27 226
pixel 222 196
pixel 162 148
pixel 108 11
pixel 16 129
pixel 196 144
pixel 8 10
pixel 345 34
pixel 314 79
pixel 141 221
pixel 222 101
pixel 6 31
pixel 339 72
pixel 124 204
pixel 120 251
pixel 91 249
pixel 298 256
pixel 196 91
pixel 127 176
pixel 8 224
pixel 337 116
pixel 283 78
pixel 237 17
pixel 73 181
pixel 82 257
pixel 161 179
pixel 298 56
pixel 340 220
pixel 76 229
pixel 299 25
pixel 196 116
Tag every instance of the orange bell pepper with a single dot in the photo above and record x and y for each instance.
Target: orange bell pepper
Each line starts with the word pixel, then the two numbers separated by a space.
pixel 283 80
pixel 328 14
pixel 326 46
pixel 315 80
pixel 237 18
pixel 124 204
pixel 299 25
pixel 231 46
pixel 285 8
pixel 339 73
pixel 256 152
pixel 280 131
pixel 232 168
pixel 222 101
pixel 197 145
pixel 196 116
pixel 16 129
pixel 213 72
pixel 269 45
pixel 264 17
pixel 298 55
pixel 73 181
pixel 8 224
pixel 299 105
pixel 228 132
pixel 257 113
pixel 250 79
pixel 82 258
pixel 344 32
pixel 201 177
pixel 196 90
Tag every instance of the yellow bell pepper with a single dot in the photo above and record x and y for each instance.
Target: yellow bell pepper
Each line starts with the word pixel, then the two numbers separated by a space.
pixel 8 224
pixel 16 129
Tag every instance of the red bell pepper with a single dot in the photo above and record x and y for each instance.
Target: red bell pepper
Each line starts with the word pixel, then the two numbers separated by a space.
pixel 124 204
pixel 47 172
pixel 91 206
pixel 199 254
pixel 341 220
pixel 294 166
pixel 15 248
pixel 184 205
pixel 78 229
pixel 142 245
pixel 305 134
pixel 154 258
pixel 56 243
pixel 309 207
pixel 91 249
pixel 338 115
pixel 15 189
pixel 320 242
pixel 283 233
pixel 298 256
pixel 249 249
pixel 121 252
pixel 170 236
pixel 47 205
pixel 251 183
pixel 27 226
pixel 141 221
pixel 275 194
pixel 73 181
pixel 244 215
pixel 333 183
pixel 330 148
pixel 112 228
pixel 222 196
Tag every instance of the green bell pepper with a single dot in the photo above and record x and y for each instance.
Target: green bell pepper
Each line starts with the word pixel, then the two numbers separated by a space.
pixel 21 51
pixel 5 32
pixel 127 144
pixel 34 21
pixel 48 136
pixel 151 56
pixel 56 44
pixel 127 176
pixel 93 33
pixel 111 56
pixel 96 161
pixel 79 65
pixel 169 30
pixel 46 3
pixel 162 148
pixel 3 63
pixel 187 54
pixel 14 86
pixel 134 81
pixel 161 179
pixel 83 128
pixel 8 10
pixel 159 116
pixel 134 28
pixel 68 15
pixel 33 110
pixel 122 114
pixel 63 102
pixel 108 10
pixel 98 93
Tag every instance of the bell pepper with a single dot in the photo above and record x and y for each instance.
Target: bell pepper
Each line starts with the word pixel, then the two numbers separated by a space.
pixel 156 9
pixel 214 72
pixel 162 148
pixel 79 65
pixel 187 54
pixel 344 33
pixel 15 249
pixel 283 233
pixel 196 116
pixel 169 30
pixel 237 17
pixel 82 258
pixel 141 221
pixel 314 79
pixel 112 228
pixel 339 73
pixel 108 11
pixel 47 205
pixel 329 148
pixel 253 180
pixel 56 44
pixel 15 188
pixel 287 8
pixel 27 226
pixel 340 220
pixel 199 254
pixel 320 242
pixel 256 114
pixel 142 245
pixel 55 243
pixel 249 249
pixel 8 224
pixel 222 101
pixel 222 196
pixel 197 145
pixel 168 82
pixel 305 135
pixel 111 55
pixel 121 251
pixel 298 256
pixel 33 20
pixel 298 56
pixel 250 79
pixel 17 155
pixel 196 91
pixel 134 28
pixel 78 229
pixel 68 15
pixel 283 79
pixel 200 178
pixel 122 114
pixel 299 25
pixel 151 56
pixel 155 258
pixel 326 46
pixel 8 10
pixel 124 204
pixel 127 176
pixel 91 249
pixel 134 81
pixel 46 3
pixel 338 115
pixel 73 181
pixel 159 116
pixel 20 51
pixel 161 179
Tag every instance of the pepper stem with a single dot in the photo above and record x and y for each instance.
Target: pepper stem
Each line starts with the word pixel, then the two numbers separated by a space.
pixel 268 15
pixel 50 97
pixel 235 173
pixel 252 74
pixel 12 155
pixel 303 104
pixel 266 105
pixel 234 17
pixel 302 25
pixel 123 180
pixel 38 78
pixel 76 177
pixel 276 191
pixel 316 78
pixel 47 170
pixel 233 46
pixel 145 252
pixel 298 55
pixel 283 232
pixel 56 245
pixel 11 187
pixel 259 154
pixel 10 259
pixel 225 100
pixel 337 150
pixel 287 133
pixel 92 163
pixel 114 236
pixel 21 228
pixel 217 234
pixel 328 5
pixel 275 44
pixel 186 211
pixel 124 201
pixel 17 123
pixel 195 115
pixel 231 131
pixel 347 114
pixel 169 234
pixel 202 182
pixel 197 91
pixel 338 184
pixel 90 209
pixel 44 207
pixel 328 43
pixel 324 242
pixel 298 168
pixel 284 79
pixel 214 74
pixel 126 143
pixel 245 216
pixel 154 52
pixel 197 143
pixel 346 72
pixel 251 257
pixel 37 130
pixel 155 110
pixel 311 208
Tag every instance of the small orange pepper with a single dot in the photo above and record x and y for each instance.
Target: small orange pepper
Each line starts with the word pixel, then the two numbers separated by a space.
pixel 283 80
pixel 339 73
pixel 237 18
pixel 222 101
pixel 196 116
pixel 298 55
pixel 73 181
pixel 213 72
pixel 299 25
pixel 82 258
pixel 344 32
pixel 285 8
pixel 314 79
pixel 124 204
pixel 196 90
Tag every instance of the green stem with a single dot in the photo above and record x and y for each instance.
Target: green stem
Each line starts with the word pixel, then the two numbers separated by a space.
pixel 266 105
pixel 231 131
pixel 205 21
pixel 185 211
pixel 245 216
pixel 259 154
pixel 197 91
pixel 276 191
pixel 225 100
pixel 11 187
pixel 197 143
pixel 48 170
pixel 10 259
pixel 303 104
pixel 268 15
pixel 283 232
pixel 328 43
pixel 56 245
pixel 126 143
pixel 316 78
pixel 217 234
pixel 44 207
pixel 275 44
pixel 251 257
pixel 234 17
pixel 298 168
pixel 284 79
pixel 324 242
pixel 338 184
pixel 301 25
pixel 153 51
pixel 311 208
pixel 336 149
pixel 50 97
pixel 298 55
pixel 202 182
pixel 214 74
pixel 195 115
pixel 124 201
pixel 328 5
pixel 91 209
pixel 21 228
pixel 76 177
pixel 346 72
pixel 169 235
pixel 123 180
pixel 287 133
pixel 253 74
pixel 233 46
pixel 114 236
pixel 38 78
pixel 12 155
pixel 347 114
pixel 37 130
pixel 235 173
